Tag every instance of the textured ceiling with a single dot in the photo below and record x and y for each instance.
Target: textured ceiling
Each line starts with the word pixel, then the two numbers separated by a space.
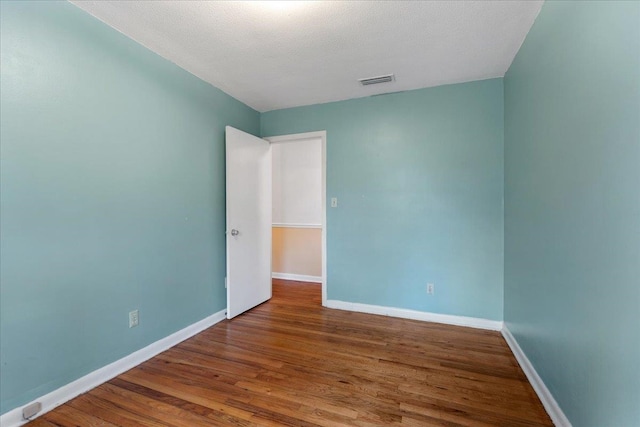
pixel 273 55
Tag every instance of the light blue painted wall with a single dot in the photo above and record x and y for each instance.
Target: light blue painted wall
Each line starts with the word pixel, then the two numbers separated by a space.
pixel 112 196
pixel 419 180
pixel 572 207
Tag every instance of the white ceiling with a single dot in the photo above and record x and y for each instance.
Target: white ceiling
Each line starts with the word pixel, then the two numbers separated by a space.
pixel 273 55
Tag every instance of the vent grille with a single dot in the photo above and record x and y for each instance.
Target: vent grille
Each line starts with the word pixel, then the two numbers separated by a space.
pixel 376 80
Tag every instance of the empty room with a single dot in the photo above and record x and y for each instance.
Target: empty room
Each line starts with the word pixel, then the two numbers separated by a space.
pixel 320 213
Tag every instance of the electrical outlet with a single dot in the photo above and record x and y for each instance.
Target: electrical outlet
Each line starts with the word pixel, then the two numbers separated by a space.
pixel 430 288
pixel 133 318
pixel 31 410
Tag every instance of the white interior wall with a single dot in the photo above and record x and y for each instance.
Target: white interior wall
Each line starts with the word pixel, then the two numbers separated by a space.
pixel 297 183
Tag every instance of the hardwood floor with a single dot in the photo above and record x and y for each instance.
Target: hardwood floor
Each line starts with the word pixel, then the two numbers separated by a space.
pixel 292 362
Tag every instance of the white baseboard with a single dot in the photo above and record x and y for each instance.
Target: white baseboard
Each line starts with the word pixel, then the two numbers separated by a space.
pixel 472 322
pixel 297 277
pixel 82 385
pixel 553 409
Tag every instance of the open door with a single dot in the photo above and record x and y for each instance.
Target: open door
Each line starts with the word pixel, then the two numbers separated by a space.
pixel 248 221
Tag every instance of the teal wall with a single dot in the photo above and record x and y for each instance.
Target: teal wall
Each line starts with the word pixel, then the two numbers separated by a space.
pixel 572 207
pixel 112 196
pixel 419 181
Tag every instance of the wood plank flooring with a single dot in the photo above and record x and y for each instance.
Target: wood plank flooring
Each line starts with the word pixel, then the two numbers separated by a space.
pixel 292 362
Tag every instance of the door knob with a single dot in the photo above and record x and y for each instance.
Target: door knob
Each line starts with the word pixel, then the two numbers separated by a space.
pixel 234 232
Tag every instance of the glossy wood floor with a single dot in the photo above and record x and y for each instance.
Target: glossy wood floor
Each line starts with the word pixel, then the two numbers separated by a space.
pixel 292 362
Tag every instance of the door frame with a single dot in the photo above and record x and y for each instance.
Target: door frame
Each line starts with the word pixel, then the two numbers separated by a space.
pixel 323 137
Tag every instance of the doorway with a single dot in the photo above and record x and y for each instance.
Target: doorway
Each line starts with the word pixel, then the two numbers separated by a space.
pixel 299 208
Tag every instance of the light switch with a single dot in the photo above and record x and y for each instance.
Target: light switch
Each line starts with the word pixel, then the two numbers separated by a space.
pixel 334 202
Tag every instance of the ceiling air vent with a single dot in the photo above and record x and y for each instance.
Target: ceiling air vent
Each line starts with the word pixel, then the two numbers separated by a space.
pixel 375 80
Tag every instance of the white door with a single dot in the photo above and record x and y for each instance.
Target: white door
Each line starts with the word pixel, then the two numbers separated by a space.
pixel 248 221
